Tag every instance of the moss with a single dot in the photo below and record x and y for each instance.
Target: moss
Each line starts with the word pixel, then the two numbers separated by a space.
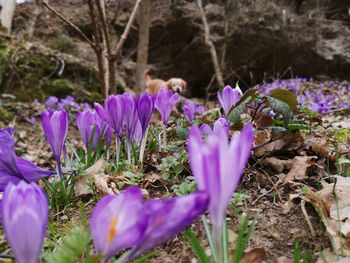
pixel 58 87
pixel 5 115
pixel 342 134
pixel 63 43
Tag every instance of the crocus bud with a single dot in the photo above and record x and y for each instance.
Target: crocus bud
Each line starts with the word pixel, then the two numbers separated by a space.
pixel 25 213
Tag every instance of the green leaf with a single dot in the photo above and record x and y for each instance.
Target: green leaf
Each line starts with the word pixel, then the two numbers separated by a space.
pixel 182 132
pixel 280 107
pixel 298 126
pixel 74 245
pixel 235 114
pixel 196 245
pixel 287 97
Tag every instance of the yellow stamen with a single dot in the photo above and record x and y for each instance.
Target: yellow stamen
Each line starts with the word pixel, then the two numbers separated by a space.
pixel 112 229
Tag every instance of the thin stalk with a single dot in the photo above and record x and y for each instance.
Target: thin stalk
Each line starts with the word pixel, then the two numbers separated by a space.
pixel 117 151
pixel 164 138
pixel 225 242
pixel 128 149
pixel 143 146
pixel 59 168
pixel 209 237
pixel 217 237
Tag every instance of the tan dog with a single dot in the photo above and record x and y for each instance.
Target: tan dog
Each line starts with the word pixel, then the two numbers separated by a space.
pixel 175 84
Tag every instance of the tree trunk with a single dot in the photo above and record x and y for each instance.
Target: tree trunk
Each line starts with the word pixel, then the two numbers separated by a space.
pixel 7 13
pixel 33 20
pixel 142 51
pixel 211 46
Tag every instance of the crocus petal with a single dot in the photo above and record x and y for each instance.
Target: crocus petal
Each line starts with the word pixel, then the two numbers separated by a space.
pixel 167 217
pixel 115 222
pixel 30 172
pixel 165 102
pixel 25 213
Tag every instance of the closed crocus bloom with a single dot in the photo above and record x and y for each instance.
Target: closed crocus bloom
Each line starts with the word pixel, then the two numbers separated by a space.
pixel 167 217
pixel 13 168
pixel 145 106
pixel 25 212
pixel 165 102
pixel 222 122
pixel 189 108
pixel 218 164
pixel 229 97
pixel 103 126
pixel 112 113
pixel 116 223
pixel 130 115
pixel 55 126
pixel 86 121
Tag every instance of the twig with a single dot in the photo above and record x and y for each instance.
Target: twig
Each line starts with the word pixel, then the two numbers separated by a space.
pixel 211 45
pixel 307 218
pixel 127 29
pixel 208 88
pixel 46 4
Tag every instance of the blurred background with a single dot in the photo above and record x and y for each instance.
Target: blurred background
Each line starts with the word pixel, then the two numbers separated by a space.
pixel 205 42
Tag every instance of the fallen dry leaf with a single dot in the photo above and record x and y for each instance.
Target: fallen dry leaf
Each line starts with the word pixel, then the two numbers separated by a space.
pixel 81 187
pixel 332 203
pixel 277 164
pixel 290 140
pixel 300 165
pixel 254 255
pixel 284 260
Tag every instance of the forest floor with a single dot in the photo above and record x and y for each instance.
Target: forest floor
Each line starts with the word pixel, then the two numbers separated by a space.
pixel 295 183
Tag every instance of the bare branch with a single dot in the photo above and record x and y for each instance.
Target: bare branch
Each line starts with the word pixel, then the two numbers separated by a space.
pixel 58 14
pixel 127 29
pixel 210 44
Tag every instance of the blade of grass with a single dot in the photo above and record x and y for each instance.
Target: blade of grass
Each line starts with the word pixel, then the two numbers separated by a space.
pixel 191 238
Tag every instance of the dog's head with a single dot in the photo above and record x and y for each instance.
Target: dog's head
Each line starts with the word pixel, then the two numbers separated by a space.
pixel 176 85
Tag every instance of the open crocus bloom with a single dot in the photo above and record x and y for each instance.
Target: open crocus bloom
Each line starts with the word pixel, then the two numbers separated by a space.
pixel 167 217
pixel 116 223
pixel 14 169
pixel 25 213
pixel 165 102
pixel 218 164
pixel 229 97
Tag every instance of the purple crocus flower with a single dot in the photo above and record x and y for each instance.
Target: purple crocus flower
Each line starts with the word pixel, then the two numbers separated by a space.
pixel 25 212
pixel 55 126
pixel 165 102
pixel 189 108
pixel 14 169
pixel 51 102
pixel 116 223
pixel 86 121
pixel 228 98
pixel 130 115
pixel 217 165
pixel 89 120
pixel 222 122
pixel 112 113
pixel 167 217
pixel 145 106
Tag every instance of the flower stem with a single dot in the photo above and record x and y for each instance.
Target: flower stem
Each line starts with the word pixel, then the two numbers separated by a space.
pixel 164 137
pixel 143 146
pixel 217 237
pixel 117 151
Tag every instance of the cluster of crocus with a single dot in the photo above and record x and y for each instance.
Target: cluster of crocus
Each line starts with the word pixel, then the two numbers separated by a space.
pixel 190 109
pixel 68 103
pixel 13 169
pixel 320 97
pixel 25 212
pixel 124 222
pixel 217 163
pixel 165 103
pixel 128 116
pixel 229 97
pixel 55 126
